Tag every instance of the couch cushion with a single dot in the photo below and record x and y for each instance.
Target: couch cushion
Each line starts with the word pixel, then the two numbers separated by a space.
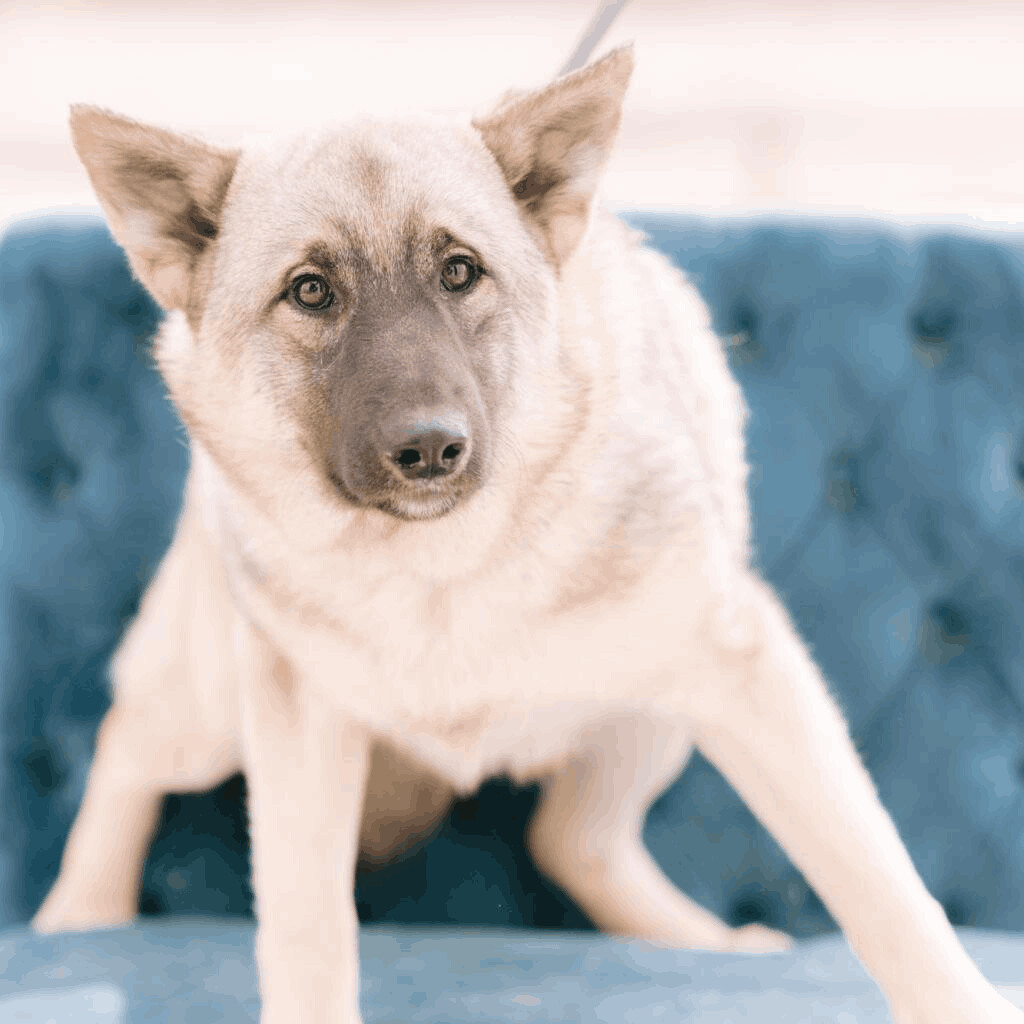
pixel 202 972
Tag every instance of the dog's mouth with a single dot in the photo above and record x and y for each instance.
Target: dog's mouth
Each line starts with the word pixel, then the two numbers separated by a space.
pixel 420 506
pixel 424 500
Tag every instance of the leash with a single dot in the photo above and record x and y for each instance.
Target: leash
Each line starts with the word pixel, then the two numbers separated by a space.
pixel 606 13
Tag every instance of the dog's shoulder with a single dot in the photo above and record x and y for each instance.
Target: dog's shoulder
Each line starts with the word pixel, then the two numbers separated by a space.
pixel 674 413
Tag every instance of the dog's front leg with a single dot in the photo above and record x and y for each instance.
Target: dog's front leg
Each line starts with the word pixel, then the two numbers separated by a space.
pixel 771 727
pixel 306 771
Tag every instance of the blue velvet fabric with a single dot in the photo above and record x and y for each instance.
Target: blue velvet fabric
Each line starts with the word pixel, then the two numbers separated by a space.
pixel 884 368
pixel 202 972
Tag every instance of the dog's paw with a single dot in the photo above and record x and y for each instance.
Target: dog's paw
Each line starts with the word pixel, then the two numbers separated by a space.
pixel 756 938
pixel 750 938
pixel 64 911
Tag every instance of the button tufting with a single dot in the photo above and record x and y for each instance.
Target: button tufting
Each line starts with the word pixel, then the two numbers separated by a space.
pixel 132 312
pixel 844 491
pixel 43 769
pixel 932 331
pixel 152 902
pixel 934 325
pixel 751 909
pixel 743 332
pixel 953 625
pixel 945 633
pixel 956 911
pixel 57 475
pixel 89 380
pixel 130 605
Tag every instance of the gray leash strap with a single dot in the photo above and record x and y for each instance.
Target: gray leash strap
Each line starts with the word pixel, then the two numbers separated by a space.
pixel 606 13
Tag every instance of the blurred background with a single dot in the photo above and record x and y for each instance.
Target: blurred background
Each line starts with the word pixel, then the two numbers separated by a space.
pixel 904 108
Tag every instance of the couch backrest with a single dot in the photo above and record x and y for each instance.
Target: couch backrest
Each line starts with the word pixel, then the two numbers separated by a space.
pixel 884 369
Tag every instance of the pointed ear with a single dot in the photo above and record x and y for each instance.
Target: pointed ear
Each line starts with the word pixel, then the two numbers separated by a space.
pixel 552 145
pixel 162 194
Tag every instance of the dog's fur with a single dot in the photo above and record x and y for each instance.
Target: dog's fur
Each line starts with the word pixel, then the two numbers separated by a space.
pixel 574 604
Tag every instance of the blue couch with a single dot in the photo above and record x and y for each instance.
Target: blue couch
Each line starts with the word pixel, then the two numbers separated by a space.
pixel 884 368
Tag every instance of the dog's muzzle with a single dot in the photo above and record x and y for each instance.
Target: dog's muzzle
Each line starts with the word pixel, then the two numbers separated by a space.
pixel 420 465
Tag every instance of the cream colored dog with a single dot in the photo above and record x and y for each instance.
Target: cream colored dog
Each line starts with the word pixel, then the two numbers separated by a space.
pixel 468 487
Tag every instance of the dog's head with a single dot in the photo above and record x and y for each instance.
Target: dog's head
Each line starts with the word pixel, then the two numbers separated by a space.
pixel 373 306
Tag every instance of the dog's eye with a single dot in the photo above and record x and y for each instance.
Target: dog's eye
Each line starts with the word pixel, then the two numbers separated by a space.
pixel 311 291
pixel 459 273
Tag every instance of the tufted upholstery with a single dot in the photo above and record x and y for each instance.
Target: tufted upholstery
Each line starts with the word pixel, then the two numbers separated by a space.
pixel 884 369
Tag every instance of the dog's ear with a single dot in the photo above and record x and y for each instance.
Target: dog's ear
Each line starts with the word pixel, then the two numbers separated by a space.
pixel 552 145
pixel 162 194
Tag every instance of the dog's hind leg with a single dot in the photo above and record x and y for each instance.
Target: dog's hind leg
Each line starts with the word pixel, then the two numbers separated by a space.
pixel 140 756
pixel 98 883
pixel 171 729
pixel 771 727
pixel 586 837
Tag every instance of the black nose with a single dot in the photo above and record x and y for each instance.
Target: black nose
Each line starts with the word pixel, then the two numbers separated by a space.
pixel 434 447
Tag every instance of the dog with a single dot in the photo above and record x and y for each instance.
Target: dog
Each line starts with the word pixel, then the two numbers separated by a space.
pixel 467 497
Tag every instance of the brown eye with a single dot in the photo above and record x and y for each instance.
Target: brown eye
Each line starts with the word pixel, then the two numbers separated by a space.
pixel 311 291
pixel 459 273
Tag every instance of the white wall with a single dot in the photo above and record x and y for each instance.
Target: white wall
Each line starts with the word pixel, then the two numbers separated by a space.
pixel 908 109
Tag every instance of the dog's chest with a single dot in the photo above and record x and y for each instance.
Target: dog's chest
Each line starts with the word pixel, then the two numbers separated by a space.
pixel 480 680
pixel 495 693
